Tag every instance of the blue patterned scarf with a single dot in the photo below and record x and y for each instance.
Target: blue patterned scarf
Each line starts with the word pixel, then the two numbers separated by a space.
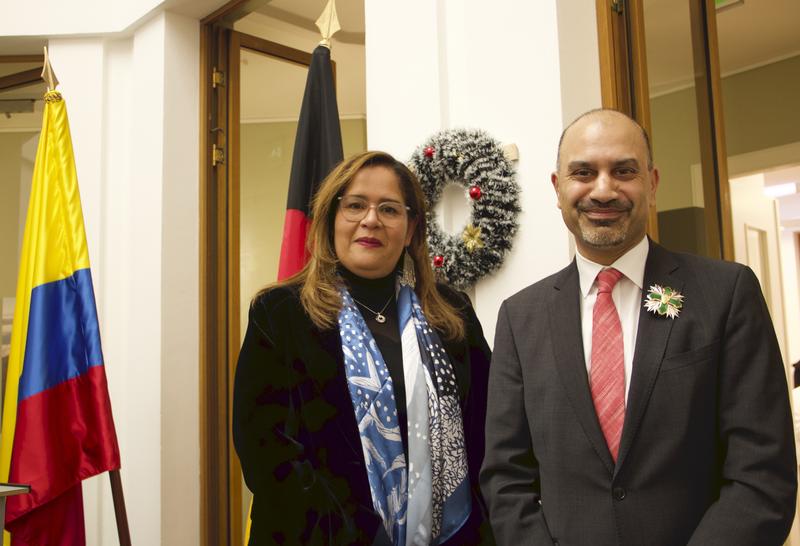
pixel 427 500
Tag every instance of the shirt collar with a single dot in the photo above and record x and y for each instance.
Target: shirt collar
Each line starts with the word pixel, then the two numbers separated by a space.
pixel 631 264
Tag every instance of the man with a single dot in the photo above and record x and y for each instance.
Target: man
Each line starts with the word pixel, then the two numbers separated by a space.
pixel 609 424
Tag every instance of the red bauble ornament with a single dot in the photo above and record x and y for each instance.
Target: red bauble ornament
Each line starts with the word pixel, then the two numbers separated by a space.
pixel 438 261
pixel 475 192
pixel 428 151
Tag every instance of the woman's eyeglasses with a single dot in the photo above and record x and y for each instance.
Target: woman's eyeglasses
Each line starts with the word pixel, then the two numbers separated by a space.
pixel 390 213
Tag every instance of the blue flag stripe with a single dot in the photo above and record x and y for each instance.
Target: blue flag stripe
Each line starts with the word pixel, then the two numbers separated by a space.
pixel 63 334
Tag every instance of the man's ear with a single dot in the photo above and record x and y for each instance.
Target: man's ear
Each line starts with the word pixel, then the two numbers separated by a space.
pixel 554 181
pixel 655 177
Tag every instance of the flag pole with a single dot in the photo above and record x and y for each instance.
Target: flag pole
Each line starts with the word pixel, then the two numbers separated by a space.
pixel 123 531
pixel 120 512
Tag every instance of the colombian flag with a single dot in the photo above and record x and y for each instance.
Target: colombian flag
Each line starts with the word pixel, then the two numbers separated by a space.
pixel 57 424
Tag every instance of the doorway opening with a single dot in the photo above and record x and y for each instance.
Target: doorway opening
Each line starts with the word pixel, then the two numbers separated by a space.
pixel 765 204
pixel 255 59
pixel 21 106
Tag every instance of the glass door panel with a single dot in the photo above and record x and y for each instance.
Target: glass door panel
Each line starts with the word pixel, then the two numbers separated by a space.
pixel 759 53
pixel 270 93
pixel 21 93
pixel 675 126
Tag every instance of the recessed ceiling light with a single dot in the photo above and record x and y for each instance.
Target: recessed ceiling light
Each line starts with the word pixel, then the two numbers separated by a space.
pixel 780 190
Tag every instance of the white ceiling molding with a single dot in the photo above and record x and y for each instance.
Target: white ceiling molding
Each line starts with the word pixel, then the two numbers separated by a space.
pixel 344 36
pixel 672 87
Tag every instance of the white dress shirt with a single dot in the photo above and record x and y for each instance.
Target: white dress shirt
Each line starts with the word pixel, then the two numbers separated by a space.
pixel 627 296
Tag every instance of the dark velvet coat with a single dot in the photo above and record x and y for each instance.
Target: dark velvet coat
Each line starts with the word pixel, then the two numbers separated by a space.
pixel 296 435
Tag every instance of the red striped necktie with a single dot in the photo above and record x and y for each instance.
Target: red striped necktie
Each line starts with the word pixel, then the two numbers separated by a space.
pixel 607 372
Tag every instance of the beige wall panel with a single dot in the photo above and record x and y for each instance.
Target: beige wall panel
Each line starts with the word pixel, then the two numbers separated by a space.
pixel 762 107
pixel 266 162
pixel 676 146
pixel 15 170
pixel 761 111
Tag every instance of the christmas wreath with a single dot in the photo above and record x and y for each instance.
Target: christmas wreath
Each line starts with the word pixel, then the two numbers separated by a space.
pixel 476 161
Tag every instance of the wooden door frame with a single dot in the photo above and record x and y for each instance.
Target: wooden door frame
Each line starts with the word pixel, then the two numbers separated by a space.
pixel 623 68
pixel 624 86
pixel 713 151
pixel 215 516
pixel 236 42
pixel 221 485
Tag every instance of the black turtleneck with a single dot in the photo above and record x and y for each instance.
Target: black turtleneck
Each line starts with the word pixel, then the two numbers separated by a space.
pixel 375 293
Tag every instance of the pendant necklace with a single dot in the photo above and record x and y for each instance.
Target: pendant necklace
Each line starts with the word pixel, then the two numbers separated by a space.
pixel 379 316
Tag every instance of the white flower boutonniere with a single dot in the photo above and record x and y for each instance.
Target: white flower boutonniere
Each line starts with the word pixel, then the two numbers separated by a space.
pixel 664 301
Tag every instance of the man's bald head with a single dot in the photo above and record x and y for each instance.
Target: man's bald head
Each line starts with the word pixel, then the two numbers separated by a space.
pixel 605 183
pixel 600 112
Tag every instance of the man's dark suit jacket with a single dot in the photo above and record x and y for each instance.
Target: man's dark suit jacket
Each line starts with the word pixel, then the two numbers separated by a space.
pixel 296 435
pixel 706 455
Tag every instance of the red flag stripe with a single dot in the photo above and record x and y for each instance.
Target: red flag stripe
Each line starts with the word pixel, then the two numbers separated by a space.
pixel 57 523
pixel 64 435
pixel 293 247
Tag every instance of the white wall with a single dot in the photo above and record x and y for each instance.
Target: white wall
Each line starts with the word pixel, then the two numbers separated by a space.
pixel 131 85
pixel 790 262
pixel 180 341
pixel 579 58
pixel 133 103
pixel 84 97
pixel 493 66
pixel 90 17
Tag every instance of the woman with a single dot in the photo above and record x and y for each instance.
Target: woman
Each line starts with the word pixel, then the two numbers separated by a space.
pixel 360 392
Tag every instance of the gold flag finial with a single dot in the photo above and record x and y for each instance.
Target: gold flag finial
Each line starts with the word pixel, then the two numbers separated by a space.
pixel 328 23
pixel 47 73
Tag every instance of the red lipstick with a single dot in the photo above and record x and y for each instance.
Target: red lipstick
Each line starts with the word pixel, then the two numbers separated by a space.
pixel 369 242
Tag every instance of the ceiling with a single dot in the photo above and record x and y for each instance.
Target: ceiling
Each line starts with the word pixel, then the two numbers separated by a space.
pixel 21 45
pixel 750 33
pixel 20 101
pixel 27 92
pixel 304 13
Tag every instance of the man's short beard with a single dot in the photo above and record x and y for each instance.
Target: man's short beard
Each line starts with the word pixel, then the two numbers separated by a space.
pixel 602 236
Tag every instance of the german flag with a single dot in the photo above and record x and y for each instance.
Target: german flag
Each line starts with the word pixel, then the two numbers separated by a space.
pixel 317 149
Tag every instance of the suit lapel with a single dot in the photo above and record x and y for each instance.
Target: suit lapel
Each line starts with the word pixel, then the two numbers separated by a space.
pixel 651 342
pixel 565 321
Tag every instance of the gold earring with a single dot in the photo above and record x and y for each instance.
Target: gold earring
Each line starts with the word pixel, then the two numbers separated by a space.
pixel 408 277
